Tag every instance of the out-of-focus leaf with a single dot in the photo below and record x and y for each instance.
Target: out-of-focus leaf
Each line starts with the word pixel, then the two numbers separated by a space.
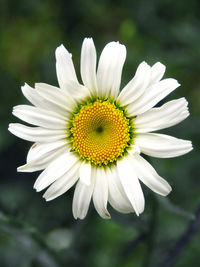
pixel 3 217
pixel 19 244
pixel 59 239
pixel 45 259
pixel 127 29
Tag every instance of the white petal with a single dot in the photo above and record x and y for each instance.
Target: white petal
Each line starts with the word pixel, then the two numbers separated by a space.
pixel 38 150
pixel 152 96
pixel 100 194
pixel 165 116
pixel 49 98
pixel 82 198
pixel 55 170
pixel 66 75
pixel 88 65
pixel 40 155
pixel 40 117
pixel 149 176
pixel 42 161
pixel 58 99
pixel 162 146
pixel 157 72
pixel 136 86
pixel 64 67
pixel 134 149
pixel 32 95
pixel 77 91
pixel 36 134
pixel 110 69
pixel 117 196
pixel 85 173
pixel 131 184
pixel 63 184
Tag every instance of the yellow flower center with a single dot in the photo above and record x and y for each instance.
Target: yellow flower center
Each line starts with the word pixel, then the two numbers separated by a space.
pixel 100 132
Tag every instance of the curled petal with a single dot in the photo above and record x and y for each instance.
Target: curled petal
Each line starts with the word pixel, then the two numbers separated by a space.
pixel 152 96
pixel 165 116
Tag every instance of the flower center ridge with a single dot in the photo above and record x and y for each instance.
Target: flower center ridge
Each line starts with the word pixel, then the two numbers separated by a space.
pixel 100 132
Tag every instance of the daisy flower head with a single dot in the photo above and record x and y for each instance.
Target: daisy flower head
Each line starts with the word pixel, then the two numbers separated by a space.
pixel 93 135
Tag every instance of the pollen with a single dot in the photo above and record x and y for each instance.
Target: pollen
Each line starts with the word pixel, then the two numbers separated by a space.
pixel 100 132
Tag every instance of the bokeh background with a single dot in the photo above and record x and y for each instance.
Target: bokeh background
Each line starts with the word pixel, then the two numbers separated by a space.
pixel 34 233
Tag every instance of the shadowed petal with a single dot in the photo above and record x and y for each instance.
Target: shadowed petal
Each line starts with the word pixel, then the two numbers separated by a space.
pixel 131 184
pixel 63 184
pixel 82 197
pixel 149 176
pixel 55 170
pixel 117 196
pixel 100 194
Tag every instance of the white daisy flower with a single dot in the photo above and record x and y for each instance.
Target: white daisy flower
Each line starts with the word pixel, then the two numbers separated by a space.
pixel 93 135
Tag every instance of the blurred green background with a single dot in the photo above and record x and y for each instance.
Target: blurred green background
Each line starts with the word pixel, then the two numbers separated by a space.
pixel 34 233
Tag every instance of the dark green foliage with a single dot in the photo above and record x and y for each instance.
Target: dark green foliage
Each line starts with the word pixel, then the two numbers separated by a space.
pixel 34 233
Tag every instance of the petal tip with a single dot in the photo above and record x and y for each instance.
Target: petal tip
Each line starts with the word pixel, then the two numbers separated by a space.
pixel 107 215
pixel 61 50
pixel 45 196
pixel 21 169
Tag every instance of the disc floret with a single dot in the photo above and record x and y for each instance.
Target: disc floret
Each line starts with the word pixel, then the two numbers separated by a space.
pixel 100 131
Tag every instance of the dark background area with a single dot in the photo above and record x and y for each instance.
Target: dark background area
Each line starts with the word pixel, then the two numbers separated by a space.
pixel 34 233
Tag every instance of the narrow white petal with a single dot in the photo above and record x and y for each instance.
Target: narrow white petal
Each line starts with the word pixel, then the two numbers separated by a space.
pixel 55 170
pixel 36 134
pixel 162 146
pixel 85 173
pixel 149 176
pixel 32 96
pixel 157 72
pixel 39 150
pixel 40 117
pixel 40 155
pixel 136 86
pixel 110 69
pixel 64 67
pixel 49 98
pixel 58 99
pixel 88 65
pixel 82 198
pixel 152 96
pixel 66 75
pixel 42 161
pixel 100 194
pixel 165 116
pixel 117 196
pixel 131 184
pixel 63 184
